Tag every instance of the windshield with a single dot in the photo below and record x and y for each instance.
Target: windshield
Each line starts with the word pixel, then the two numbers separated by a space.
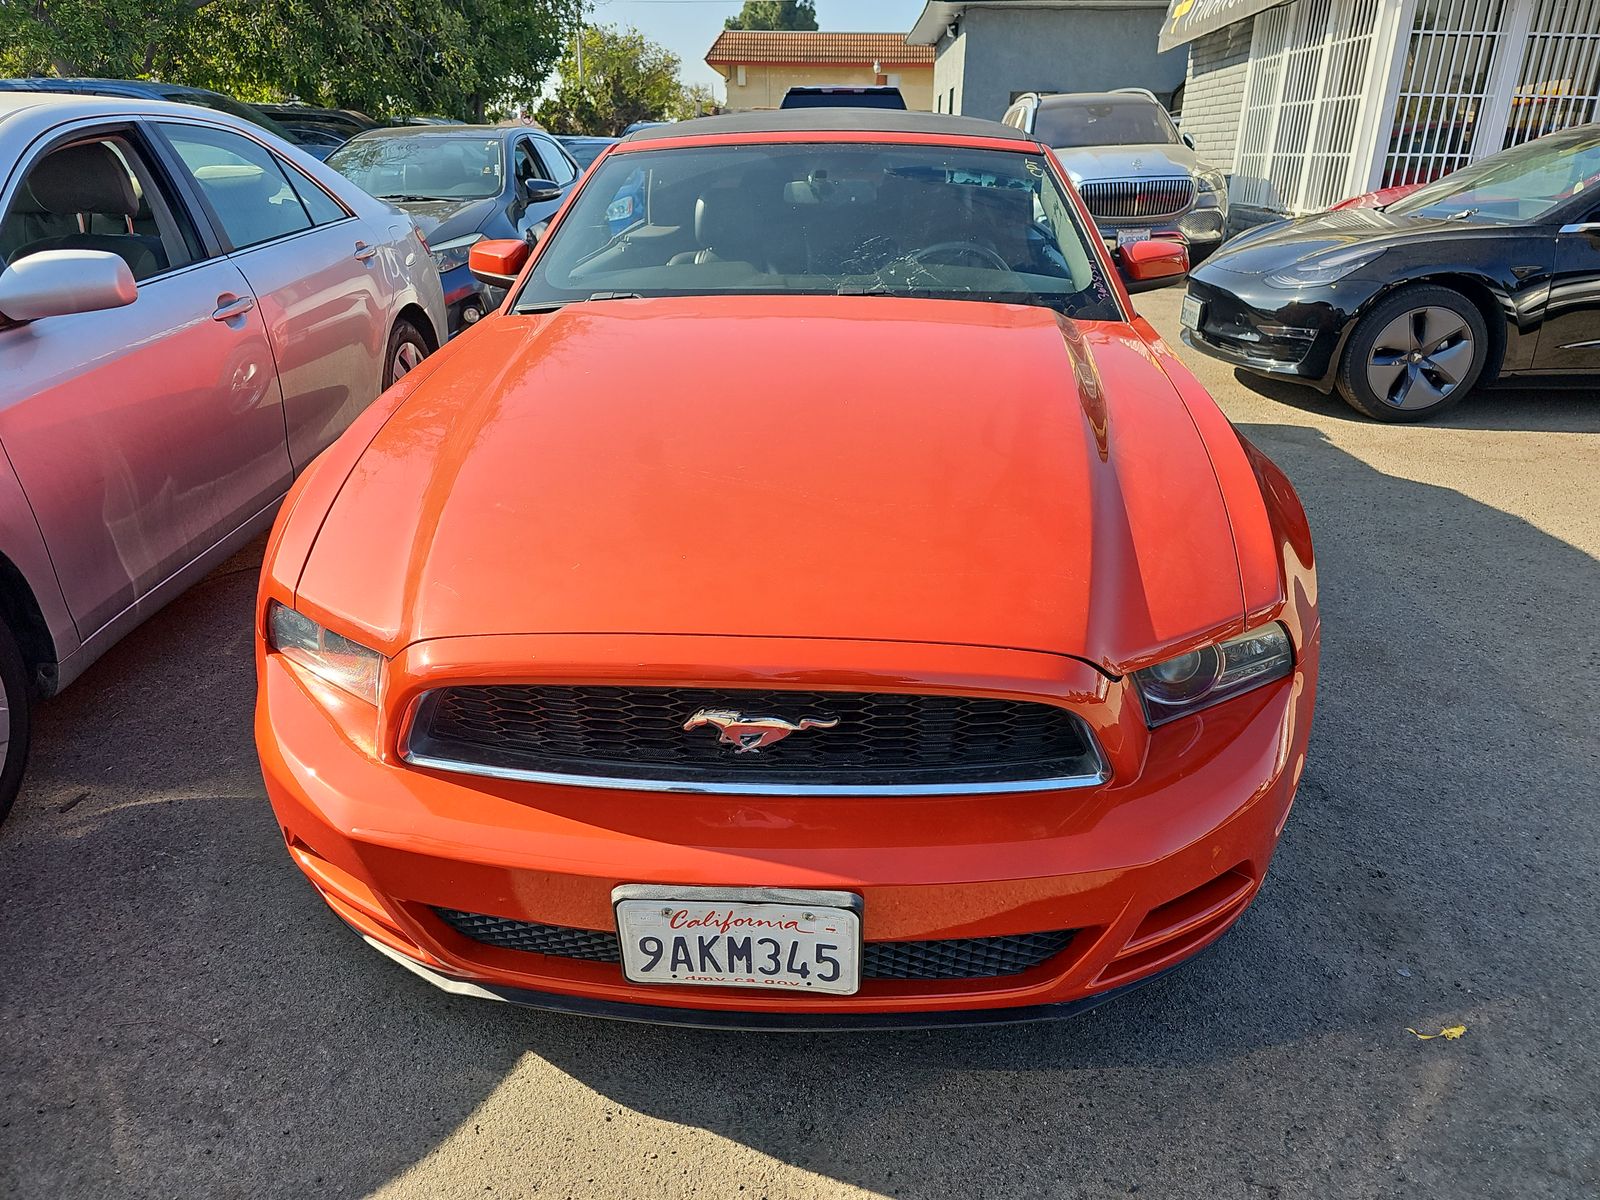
pixel 1130 122
pixel 426 167
pixel 798 219
pixel 1518 185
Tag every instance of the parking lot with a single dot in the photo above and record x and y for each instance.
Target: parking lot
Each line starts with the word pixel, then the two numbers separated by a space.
pixel 184 1017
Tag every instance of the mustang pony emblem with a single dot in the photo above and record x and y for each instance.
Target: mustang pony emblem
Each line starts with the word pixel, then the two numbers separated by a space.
pixel 750 734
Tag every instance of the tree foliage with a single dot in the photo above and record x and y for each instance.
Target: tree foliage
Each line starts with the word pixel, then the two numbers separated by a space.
pixel 623 77
pixel 453 57
pixel 775 14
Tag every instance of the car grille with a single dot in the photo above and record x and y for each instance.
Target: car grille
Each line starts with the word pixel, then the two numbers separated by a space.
pixel 1126 199
pixel 948 958
pixel 635 736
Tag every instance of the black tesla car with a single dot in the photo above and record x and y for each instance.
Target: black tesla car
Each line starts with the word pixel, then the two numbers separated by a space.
pixel 1490 273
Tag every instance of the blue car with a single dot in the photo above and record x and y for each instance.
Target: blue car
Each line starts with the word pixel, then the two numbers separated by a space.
pixel 462 184
pixel 627 206
pixel 148 89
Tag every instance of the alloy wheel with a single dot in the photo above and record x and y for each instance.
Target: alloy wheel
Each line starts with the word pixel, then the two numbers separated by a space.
pixel 1421 357
pixel 406 357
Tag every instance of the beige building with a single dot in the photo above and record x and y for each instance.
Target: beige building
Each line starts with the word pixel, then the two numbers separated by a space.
pixel 760 66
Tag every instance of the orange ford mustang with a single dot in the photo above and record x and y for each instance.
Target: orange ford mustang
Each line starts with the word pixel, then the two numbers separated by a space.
pixel 813 599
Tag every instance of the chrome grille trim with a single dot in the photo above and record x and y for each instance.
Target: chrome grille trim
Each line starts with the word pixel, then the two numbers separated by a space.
pixel 1138 199
pixel 415 752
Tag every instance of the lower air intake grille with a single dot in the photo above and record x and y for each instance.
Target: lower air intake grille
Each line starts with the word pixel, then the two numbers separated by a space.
pixel 950 958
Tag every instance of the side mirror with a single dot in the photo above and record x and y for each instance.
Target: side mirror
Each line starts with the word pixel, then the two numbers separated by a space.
pixel 57 283
pixel 537 191
pixel 498 262
pixel 1188 141
pixel 1158 258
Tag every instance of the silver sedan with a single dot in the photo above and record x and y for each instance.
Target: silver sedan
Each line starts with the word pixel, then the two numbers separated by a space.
pixel 190 310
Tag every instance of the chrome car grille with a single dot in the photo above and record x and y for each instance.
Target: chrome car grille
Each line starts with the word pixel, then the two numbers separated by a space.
pixel 1132 199
pixel 864 743
pixel 946 958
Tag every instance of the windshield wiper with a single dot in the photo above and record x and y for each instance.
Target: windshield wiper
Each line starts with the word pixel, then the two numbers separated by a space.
pixel 552 305
pixel 414 199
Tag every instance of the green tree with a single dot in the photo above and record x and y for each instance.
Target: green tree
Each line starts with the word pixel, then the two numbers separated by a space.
pixel 622 77
pixel 455 57
pixel 775 14
pixel 693 100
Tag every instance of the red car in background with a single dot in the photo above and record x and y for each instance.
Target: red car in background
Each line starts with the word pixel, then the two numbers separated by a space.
pixel 822 603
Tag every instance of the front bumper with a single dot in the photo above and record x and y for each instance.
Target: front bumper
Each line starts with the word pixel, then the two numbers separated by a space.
pixel 1148 869
pixel 1272 331
pixel 466 300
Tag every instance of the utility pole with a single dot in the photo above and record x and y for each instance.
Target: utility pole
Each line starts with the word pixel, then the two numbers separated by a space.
pixel 578 35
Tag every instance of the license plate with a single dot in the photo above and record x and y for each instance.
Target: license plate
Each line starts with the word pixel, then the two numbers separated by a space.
pixel 1126 236
pixel 1193 310
pixel 780 940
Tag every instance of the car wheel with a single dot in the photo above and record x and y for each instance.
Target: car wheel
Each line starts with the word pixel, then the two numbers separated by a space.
pixel 407 349
pixel 1415 355
pixel 16 719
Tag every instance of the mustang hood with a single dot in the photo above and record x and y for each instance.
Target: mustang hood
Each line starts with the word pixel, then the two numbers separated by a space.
pixel 827 467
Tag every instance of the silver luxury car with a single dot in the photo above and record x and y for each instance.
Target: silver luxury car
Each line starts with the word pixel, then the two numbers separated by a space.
pixel 1138 175
pixel 190 310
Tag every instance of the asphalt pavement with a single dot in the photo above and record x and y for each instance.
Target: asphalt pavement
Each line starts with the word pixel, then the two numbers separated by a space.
pixel 181 1017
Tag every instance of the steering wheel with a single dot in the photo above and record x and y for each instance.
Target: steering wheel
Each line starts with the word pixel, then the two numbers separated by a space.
pixel 969 250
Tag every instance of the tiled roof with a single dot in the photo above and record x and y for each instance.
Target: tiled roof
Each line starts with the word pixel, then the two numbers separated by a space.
pixel 735 46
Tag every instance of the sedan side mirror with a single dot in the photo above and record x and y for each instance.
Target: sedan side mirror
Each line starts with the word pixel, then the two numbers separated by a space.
pixel 498 262
pixel 1158 258
pixel 57 283
pixel 537 191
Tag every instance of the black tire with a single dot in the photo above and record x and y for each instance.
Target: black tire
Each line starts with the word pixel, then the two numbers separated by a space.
pixel 16 724
pixel 1427 377
pixel 406 343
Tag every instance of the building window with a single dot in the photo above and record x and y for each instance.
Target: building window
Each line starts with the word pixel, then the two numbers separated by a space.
pixel 739 74
pixel 1558 83
pixel 1444 89
pixel 952 106
pixel 1304 99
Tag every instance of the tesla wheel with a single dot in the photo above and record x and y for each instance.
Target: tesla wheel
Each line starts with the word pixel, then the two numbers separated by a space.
pixel 407 348
pixel 16 719
pixel 1415 355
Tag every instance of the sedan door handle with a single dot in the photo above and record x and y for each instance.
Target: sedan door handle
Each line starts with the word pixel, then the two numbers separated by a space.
pixel 229 307
pixel 364 251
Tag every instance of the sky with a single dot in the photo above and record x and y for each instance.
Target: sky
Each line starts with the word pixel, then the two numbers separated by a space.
pixel 688 27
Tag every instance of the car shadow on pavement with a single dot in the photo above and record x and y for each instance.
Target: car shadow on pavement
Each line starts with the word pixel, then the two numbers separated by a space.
pixel 1522 405
pixel 183 1017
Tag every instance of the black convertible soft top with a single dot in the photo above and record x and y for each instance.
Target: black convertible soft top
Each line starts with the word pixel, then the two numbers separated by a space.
pixel 831 120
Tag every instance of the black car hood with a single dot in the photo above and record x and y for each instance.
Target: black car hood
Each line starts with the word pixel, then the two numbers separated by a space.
pixel 1272 247
pixel 441 220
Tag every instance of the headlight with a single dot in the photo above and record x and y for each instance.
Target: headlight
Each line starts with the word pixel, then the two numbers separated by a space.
pixel 1324 268
pixel 1214 673
pixel 447 256
pixel 1210 181
pixel 347 665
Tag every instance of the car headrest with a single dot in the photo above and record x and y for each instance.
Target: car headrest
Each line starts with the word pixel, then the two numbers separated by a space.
pixel 721 217
pixel 84 179
pixel 238 183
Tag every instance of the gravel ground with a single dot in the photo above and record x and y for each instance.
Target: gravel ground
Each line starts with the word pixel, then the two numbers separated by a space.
pixel 182 1018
